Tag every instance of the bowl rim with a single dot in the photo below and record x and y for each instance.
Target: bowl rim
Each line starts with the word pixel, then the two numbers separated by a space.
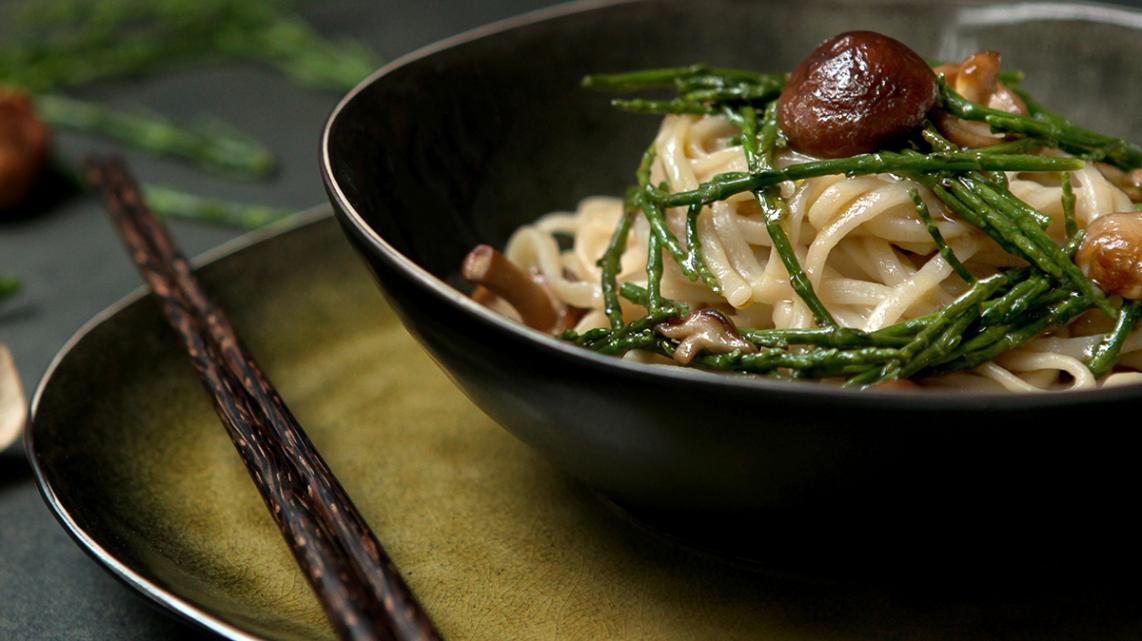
pixel 990 12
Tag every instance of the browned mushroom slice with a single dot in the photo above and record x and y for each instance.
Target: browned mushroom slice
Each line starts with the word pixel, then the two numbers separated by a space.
pixel 1111 253
pixel 899 384
pixel 704 330
pixel 489 268
pixel 977 77
pixel 977 80
pixel 1129 182
pixel 483 296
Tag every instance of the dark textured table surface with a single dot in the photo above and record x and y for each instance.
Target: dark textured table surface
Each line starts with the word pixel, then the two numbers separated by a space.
pixel 72 266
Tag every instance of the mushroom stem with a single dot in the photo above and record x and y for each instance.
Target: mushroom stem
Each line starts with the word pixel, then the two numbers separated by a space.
pixel 489 268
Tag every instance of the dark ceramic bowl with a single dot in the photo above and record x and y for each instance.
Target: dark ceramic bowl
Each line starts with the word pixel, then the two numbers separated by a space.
pixel 462 142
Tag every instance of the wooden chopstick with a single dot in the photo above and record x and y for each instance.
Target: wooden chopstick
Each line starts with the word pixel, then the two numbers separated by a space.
pixel 359 587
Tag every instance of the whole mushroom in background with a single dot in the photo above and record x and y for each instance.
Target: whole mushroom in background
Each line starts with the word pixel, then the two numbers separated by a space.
pixel 24 141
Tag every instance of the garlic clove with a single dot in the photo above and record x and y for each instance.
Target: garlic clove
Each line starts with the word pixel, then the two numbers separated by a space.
pixel 13 403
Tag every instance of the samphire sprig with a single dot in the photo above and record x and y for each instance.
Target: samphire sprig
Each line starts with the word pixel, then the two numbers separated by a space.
pixel 700 89
pixel 212 145
pixel 9 285
pixel 1050 129
pixel 73 42
pixel 993 315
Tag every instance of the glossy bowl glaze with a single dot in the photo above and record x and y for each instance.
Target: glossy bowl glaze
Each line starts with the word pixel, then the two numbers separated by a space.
pixel 461 143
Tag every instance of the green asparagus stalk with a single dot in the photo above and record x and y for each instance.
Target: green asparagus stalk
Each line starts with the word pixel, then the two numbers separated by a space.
pixel 610 263
pixel 70 44
pixel 653 275
pixel 952 316
pixel 1105 355
pixel 997 179
pixel 1053 130
pixel 938 238
pixel 640 296
pixel 670 76
pixel 1010 337
pixel 758 147
pixel 695 261
pixel 656 218
pixel 663 107
pixel 725 185
pixel 291 46
pixel 1042 249
pixel 209 147
pixel 1071 228
pixel 836 337
pixel 819 363
pixel 666 238
pixel 171 203
pixel 1007 308
pixel 614 342
pixel 1068 201
pixel 9 285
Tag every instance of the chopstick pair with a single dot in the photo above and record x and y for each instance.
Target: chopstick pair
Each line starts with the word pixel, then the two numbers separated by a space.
pixel 360 589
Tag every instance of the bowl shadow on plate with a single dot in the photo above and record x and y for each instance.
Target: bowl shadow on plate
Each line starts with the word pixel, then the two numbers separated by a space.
pixel 862 582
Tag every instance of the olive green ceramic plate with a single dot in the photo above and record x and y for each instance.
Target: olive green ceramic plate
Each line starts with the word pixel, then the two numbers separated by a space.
pixel 497 544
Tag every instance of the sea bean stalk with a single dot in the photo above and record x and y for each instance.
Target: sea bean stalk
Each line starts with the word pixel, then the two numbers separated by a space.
pixel 58 45
pixel 67 43
pixel 214 146
pixel 994 314
pixel 9 285
pixel 1051 129
pixel 176 204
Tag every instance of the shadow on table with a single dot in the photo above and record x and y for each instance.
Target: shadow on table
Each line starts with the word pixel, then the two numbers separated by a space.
pixel 14 468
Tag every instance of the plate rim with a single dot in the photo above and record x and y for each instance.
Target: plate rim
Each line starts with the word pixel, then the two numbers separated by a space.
pixel 168 601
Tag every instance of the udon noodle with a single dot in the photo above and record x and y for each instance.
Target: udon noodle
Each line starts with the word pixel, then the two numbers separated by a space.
pixel 859 239
pixel 868 255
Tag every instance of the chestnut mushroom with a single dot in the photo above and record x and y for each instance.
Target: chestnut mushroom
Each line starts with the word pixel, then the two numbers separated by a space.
pixel 1111 253
pixel 23 147
pixel 1128 181
pixel 705 330
pixel 977 80
pixel 855 93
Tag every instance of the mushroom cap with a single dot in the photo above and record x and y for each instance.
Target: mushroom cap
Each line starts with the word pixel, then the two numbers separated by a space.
pixel 854 93
pixel 1111 253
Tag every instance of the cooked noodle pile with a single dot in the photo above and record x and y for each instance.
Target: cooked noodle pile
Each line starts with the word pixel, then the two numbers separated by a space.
pixel 859 239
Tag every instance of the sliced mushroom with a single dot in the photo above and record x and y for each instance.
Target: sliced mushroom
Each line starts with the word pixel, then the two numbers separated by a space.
pixel 1111 253
pixel 488 268
pixel 897 384
pixel 24 142
pixel 978 76
pixel 977 80
pixel 1129 182
pixel 704 330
